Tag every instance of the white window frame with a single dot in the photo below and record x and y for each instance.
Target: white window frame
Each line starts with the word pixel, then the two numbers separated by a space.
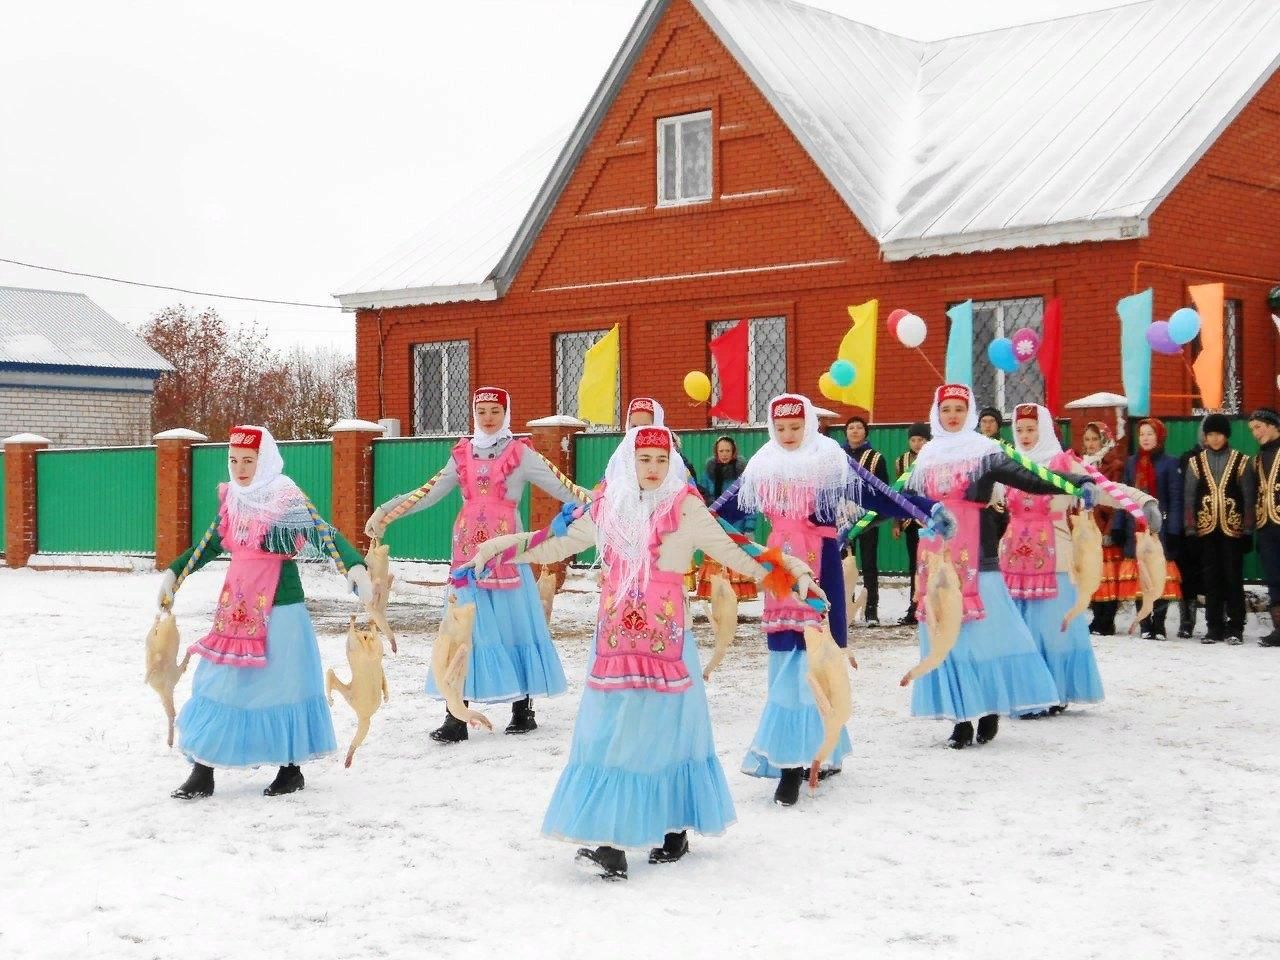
pixel 677 122
pixel 450 406
pixel 756 403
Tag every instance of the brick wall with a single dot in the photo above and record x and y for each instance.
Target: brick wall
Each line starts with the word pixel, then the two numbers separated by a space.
pixel 1217 219
pixel 77 418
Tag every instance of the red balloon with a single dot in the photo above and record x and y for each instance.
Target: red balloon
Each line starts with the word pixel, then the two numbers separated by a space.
pixel 894 317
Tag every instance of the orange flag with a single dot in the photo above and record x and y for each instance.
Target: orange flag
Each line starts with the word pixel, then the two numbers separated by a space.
pixel 1208 366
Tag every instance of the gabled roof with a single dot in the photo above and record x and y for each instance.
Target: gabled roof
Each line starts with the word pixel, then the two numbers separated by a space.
pixel 52 328
pixel 1063 131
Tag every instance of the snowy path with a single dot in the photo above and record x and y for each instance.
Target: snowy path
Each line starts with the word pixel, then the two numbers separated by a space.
pixel 1146 826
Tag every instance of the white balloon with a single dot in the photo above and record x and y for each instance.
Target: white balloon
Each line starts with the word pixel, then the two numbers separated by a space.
pixel 911 330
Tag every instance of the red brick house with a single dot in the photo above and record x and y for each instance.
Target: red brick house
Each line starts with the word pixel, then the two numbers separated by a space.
pixel 767 161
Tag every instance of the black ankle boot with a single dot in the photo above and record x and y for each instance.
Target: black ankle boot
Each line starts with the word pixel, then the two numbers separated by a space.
pixel 288 780
pixel 788 791
pixel 452 730
pixel 961 736
pixel 674 846
pixel 522 717
pixel 1186 619
pixel 1273 638
pixel 612 862
pixel 199 784
pixel 988 727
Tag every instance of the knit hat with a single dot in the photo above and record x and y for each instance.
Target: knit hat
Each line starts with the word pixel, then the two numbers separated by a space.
pixel 918 430
pixel 991 412
pixel 1217 423
pixel 1266 415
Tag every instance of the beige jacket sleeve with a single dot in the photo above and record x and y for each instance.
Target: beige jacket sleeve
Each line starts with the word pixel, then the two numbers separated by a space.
pixel 580 536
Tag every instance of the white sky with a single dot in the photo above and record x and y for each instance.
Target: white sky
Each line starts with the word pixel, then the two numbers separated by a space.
pixel 276 149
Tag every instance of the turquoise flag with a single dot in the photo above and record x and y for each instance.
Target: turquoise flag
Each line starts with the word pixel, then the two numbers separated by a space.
pixel 960 344
pixel 1135 352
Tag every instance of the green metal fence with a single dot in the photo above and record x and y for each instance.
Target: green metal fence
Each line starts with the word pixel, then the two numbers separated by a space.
pixel 403 464
pixel 96 501
pixel 309 463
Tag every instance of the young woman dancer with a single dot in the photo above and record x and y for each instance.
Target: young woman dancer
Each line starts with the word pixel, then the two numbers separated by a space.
pixel 258 694
pixel 995 667
pixel 642 767
pixel 512 657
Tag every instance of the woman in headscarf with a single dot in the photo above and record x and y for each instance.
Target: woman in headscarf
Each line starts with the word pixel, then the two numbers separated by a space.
pixel 811 492
pixel 1155 473
pixel 512 657
pixel 1099 449
pixel 994 668
pixel 1036 555
pixel 642 767
pixel 722 469
pixel 258 694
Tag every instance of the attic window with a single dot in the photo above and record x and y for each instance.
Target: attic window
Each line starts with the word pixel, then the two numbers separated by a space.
pixel 684 159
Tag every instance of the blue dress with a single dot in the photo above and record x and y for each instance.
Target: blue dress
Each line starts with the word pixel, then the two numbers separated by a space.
pixel 1068 654
pixel 642 764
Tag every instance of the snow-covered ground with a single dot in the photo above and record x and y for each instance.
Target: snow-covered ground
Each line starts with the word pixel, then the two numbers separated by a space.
pixel 1144 827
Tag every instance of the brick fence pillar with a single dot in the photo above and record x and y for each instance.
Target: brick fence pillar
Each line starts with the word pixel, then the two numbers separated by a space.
pixel 173 493
pixel 553 438
pixel 353 477
pixel 20 540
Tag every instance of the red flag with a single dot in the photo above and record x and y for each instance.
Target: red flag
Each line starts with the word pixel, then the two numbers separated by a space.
pixel 729 351
pixel 1051 355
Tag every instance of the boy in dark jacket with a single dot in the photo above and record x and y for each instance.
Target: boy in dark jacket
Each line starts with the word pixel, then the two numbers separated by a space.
pixel 868 542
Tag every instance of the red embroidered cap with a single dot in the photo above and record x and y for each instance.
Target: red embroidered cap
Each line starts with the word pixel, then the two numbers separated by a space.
pixel 492 395
pixel 248 437
pixel 955 391
pixel 1026 411
pixel 640 405
pixel 786 406
pixel 653 438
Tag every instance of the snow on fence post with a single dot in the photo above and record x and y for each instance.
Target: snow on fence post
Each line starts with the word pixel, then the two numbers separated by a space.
pixel 353 477
pixel 20 496
pixel 553 438
pixel 173 493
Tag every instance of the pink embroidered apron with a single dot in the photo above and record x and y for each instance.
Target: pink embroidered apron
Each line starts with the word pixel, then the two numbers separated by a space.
pixel 239 634
pixel 1028 556
pixel 486 512
pixel 640 637
pixel 796 537
pixel 965 547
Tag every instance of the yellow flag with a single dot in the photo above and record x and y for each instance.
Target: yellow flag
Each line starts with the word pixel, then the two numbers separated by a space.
pixel 598 388
pixel 859 348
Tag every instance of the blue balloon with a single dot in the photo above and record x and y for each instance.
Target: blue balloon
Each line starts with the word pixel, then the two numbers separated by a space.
pixel 1000 353
pixel 843 373
pixel 1184 325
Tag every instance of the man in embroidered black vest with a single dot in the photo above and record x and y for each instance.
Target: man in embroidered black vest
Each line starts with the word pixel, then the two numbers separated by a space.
pixel 1219 496
pixel 1264 423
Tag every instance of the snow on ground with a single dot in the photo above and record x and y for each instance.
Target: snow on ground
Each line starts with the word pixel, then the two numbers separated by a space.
pixel 1146 826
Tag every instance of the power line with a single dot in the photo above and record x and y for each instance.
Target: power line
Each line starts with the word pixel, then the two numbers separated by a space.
pixel 161 286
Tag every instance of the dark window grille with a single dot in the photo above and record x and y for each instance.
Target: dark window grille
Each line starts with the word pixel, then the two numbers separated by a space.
pixel 571 350
pixel 766 366
pixel 442 388
pixel 1232 337
pixel 993 319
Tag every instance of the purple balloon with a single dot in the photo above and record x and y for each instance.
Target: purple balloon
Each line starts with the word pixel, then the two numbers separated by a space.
pixel 1160 341
pixel 1026 344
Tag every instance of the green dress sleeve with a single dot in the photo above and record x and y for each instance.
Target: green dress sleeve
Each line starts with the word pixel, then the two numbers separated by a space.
pixel 211 551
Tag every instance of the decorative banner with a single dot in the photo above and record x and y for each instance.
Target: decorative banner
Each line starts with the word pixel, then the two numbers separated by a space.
pixel 960 344
pixel 1208 366
pixel 598 388
pixel 859 348
pixel 1050 355
pixel 729 352
pixel 1135 355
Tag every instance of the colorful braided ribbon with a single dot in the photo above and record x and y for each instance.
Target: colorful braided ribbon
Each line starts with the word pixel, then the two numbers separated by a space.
pixel 912 511
pixel 1044 473
pixel 1118 494
pixel 326 537
pixel 195 557
pixel 865 520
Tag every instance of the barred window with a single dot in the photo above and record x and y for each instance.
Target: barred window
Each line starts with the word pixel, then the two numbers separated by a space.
pixel 684 159
pixel 442 387
pixel 1232 337
pixel 766 365
pixel 993 319
pixel 571 350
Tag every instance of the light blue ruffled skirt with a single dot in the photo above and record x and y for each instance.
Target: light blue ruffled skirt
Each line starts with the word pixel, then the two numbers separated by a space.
pixel 790 730
pixel 512 656
pixel 995 666
pixel 269 716
pixel 642 764
pixel 1068 655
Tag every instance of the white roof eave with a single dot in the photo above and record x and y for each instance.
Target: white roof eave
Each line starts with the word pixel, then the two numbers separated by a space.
pixel 1013 238
pixel 418 296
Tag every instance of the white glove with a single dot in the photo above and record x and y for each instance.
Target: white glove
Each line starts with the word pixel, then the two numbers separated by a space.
pixel 376 525
pixel 805 585
pixel 358 577
pixel 164 600
pixel 1151 510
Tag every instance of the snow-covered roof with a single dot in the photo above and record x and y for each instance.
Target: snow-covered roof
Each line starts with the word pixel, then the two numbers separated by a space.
pixel 1064 131
pixel 60 329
